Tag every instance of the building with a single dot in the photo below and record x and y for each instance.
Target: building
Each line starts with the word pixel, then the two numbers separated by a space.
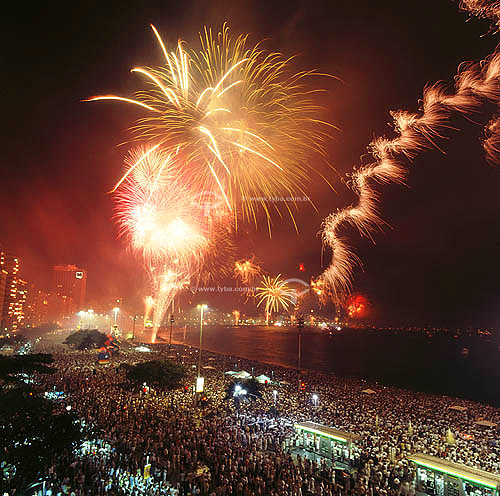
pixel 13 292
pixel 19 305
pixel 444 478
pixel 37 307
pixel 325 442
pixel 3 283
pixel 69 286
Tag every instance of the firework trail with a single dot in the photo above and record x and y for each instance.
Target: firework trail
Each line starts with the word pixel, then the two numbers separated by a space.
pixel 485 9
pixel 475 83
pixel 169 283
pixel 491 143
pixel 244 123
pixel 276 294
pixel 148 306
pixel 236 315
pixel 488 10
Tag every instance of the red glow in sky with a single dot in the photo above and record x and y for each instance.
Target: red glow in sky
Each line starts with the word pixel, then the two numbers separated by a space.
pixel 357 306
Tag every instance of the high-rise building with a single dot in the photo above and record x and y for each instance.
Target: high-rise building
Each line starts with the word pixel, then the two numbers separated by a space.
pixel 12 298
pixel 19 306
pixel 3 284
pixel 69 287
pixel 36 310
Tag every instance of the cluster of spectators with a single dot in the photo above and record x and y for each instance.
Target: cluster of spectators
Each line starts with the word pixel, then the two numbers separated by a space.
pixel 158 442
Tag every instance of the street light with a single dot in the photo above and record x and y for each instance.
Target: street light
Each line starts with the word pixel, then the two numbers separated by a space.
pixel 116 310
pixel 315 399
pixel 81 314
pixel 201 307
pixel 239 391
pixel 300 327
pixel 90 313
pixel 275 394
pixel 133 329
pixel 171 324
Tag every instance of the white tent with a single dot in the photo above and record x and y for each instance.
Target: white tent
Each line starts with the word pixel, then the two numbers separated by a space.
pixel 369 391
pixel 231 372
pixel 242 375
pixel 485 423
pixel 458 408
pixel 144 349
pixel 263 379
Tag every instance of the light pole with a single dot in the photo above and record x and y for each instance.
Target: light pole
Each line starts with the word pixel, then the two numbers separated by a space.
pixel 315 399
pixel 90 314
pixel 201 307
pixel 81 314
pixel 171 324
pixel 116 310
pixel 300 326
pixel 275 394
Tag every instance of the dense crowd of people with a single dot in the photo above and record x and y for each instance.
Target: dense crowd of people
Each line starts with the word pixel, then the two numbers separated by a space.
pixel 157 442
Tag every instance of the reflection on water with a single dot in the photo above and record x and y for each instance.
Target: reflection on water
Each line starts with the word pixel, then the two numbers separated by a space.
pixel 411 360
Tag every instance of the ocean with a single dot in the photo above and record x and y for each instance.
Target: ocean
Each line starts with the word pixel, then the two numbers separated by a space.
pixel 466 366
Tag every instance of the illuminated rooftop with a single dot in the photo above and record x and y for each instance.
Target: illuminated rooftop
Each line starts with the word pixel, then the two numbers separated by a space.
pixel 471 474
pixel 323 430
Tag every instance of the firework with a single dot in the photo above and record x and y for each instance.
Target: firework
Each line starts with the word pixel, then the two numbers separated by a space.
pixel 164 223
pixel 158 215
pixel 148 306
pixel 247 270
pixel 491 142
pixel 168 284
pixel 244 122
pixel 321 290
pixel 474 84
pixel 218 258
pixel 236 315
pixel 276 294
pixel 487 9
pixel 356 306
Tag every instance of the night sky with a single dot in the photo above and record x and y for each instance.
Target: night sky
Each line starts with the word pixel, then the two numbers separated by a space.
pixel 437 261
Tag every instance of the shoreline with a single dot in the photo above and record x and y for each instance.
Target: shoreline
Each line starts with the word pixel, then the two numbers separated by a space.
pixel 265 362
pixel 379 385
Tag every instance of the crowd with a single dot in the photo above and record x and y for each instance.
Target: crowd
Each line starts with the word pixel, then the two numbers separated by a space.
pixel 158 443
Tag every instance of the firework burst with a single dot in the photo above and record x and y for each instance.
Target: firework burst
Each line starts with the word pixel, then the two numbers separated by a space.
pixel 244 122
pixel 158 215
pixel 276 294
pixel 246 271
